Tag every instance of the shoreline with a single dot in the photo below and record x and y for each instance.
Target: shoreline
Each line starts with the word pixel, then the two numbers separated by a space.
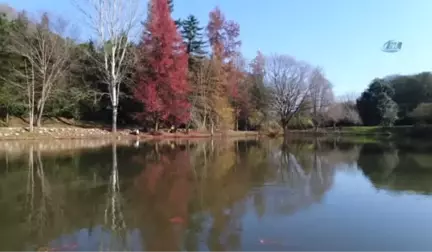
pixel 94 133
pixel 103 133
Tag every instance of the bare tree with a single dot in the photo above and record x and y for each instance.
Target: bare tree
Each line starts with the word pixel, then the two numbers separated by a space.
pixel 200 97
pixel 350 113
pixel 28 81
pixel 287 80
pixel 114 22
pixel 45 51
pixel 321 96
pixel 335 113
pixel 343 111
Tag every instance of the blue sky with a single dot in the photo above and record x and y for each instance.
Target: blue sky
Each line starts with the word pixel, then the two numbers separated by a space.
pixel 342 36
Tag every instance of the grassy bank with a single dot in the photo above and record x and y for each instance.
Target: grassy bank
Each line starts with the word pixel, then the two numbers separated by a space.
pixel 423 131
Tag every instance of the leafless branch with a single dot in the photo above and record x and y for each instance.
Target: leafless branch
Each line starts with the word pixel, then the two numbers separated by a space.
pixel 46 52
pixel 200 99
pixel 287 80
pixel 113 23
pixel 321 95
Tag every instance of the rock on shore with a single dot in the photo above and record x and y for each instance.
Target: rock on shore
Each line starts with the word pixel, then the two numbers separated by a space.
pixel 56 133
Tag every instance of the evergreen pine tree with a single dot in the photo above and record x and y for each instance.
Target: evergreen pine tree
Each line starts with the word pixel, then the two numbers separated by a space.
pixel 193 39
pixel 10 95
pixel 171 5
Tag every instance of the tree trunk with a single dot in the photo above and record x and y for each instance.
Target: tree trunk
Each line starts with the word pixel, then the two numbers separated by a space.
pixel 237 124
pixel 7 116
pixel 31 119
pixel 114 119
pixel 286 131
pixel 188 126
pixel 114 157
pixel 31 98
pixel 205 120
pixel 156 125
pixel 39 120
pixel 39 114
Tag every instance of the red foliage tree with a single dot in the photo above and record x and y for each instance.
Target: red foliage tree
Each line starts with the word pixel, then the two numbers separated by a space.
pixel 162 69
pixel 258 65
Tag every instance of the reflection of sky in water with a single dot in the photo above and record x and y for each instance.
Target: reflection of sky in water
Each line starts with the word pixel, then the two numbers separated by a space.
pixel 355 215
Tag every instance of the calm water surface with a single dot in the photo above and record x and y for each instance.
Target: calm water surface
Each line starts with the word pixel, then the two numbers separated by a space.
pixel 218 195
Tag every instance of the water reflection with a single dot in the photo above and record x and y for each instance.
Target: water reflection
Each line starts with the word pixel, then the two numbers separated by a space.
pixel 188 195
pixel 398 167
pixel 164 188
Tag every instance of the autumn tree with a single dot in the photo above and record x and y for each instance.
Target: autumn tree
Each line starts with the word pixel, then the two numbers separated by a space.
pixel 178 22
pixel 223 38
pixel 240 95
pixel 162 70
pixel 234 68
pixel 221 110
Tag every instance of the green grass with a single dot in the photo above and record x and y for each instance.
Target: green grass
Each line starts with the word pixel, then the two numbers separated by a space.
pixel 363 129
pixel 361 139
pixel 394 131
pixel 414 131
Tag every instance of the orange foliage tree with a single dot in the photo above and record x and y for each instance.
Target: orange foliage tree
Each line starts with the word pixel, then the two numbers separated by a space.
pixel 223 37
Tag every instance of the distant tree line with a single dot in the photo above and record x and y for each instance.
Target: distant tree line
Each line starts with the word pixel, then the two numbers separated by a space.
pixel 397 100
pixel 179 74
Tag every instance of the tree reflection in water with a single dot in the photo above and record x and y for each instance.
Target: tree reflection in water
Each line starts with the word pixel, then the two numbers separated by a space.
pixel 43 207
pixel 165 186
pixel 186 195
pixel 398 167
pixel 302 176
pixel 114 221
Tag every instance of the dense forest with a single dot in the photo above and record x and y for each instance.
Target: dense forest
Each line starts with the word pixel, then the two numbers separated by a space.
pixel 179 73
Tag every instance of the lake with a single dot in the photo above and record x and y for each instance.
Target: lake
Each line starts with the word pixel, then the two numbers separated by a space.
pixel 253 195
